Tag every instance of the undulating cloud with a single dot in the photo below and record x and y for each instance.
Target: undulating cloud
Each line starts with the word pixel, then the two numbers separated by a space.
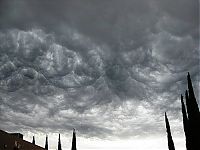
pixel 109 68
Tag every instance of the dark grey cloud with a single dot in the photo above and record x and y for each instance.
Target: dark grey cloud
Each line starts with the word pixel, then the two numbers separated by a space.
pixel 109 68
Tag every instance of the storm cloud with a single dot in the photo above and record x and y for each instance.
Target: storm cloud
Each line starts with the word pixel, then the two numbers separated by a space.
pixel 107 68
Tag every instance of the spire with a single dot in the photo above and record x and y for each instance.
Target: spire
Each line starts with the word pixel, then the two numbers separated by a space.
pixel 74 140
pixel 33 142
pixel 59 143
pixel 169 136
pixel 46 143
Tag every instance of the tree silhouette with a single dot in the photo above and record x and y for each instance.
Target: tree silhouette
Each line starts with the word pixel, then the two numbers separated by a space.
pixel 185 123
pixel 59 143
pixel 46 143
pixel 191 120
pixel 169 136
pixel 33 141
pixel 74 140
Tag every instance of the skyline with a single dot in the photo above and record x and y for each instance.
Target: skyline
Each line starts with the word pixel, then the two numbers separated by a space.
pixel 109 69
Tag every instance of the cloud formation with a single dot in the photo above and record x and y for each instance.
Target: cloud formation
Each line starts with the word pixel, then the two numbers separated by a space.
pixel 108 68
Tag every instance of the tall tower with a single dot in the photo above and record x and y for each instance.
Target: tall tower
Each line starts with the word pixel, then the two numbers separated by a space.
pixel 74 140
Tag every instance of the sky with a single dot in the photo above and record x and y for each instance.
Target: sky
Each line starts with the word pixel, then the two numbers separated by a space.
pixel 109 69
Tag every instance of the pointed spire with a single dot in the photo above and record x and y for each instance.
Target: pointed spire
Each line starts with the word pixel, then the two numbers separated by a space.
pixel 59 143
pixel 46 143
pixel 169 136
pixel 33 141
pixel 74 140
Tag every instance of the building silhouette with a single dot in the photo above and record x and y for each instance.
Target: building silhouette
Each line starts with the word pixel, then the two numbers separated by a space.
pixel 15 141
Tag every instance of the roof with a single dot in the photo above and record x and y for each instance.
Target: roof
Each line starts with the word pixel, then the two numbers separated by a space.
pixel 11 142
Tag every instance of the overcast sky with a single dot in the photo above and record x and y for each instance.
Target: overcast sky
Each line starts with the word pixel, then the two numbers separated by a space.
pixel 109 68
